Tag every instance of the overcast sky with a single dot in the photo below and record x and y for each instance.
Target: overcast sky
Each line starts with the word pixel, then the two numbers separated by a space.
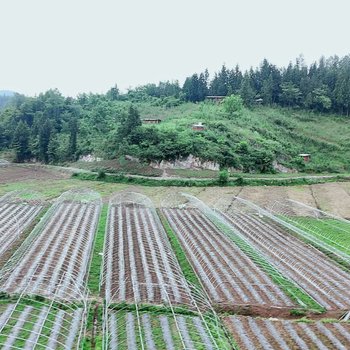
pixel 90 45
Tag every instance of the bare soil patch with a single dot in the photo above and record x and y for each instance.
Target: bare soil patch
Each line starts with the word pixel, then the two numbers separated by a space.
pixel 15 173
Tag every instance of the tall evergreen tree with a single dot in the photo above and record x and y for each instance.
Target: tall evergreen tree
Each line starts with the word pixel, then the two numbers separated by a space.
pixel 247 91
pixel 130 123
pixel 21 142
pixel 44 139
pixel 72 148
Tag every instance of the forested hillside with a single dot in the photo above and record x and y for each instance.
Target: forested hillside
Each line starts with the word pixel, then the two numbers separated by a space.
pixel 269 115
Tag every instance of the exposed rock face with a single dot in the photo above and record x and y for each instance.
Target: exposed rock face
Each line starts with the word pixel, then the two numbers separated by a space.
pixel 189 162
pixel 282 169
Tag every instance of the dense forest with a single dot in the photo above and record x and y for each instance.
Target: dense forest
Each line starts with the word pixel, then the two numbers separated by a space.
pixel 51 128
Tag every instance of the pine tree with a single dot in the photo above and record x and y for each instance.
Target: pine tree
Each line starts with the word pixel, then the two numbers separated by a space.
pixel 21 142
pixel 247 92
pixel 113 93
pixel 44 139
pixel 72 148
pixel 131 122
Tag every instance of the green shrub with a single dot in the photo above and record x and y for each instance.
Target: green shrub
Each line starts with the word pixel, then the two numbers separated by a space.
pixel 101 175
pixel 223 177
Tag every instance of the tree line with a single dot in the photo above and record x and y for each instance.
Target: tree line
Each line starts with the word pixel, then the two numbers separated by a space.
pixel 324 86
pixel 51 128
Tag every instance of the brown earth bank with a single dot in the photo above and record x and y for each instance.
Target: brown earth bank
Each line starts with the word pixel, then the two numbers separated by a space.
pixel 276 312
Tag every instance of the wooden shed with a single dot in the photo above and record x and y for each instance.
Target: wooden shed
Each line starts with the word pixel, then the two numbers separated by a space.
pixel 151 121
pixel 198 127
pixel 216 99
pixel 305 156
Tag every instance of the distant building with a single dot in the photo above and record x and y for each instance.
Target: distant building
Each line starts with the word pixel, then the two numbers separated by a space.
pixel 305 156
pixel 198 127
pixel 151 121
pixel 216 99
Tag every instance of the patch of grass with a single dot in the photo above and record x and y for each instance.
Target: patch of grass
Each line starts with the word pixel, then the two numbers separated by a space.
pixel 153 309
pixel 93 338
pixel 240 181
pixel 297 312
pixel 330 231
pixel 186 267
pixel 191 173
pixel 320 230
pixel 118 166
pixel 97 258
pixel 304 320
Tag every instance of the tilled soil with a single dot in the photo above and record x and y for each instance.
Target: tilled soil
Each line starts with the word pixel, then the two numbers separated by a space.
pixel 258 333
pixel 58 256
pixel 15 173
pixel 312 270
pixel 139 264
pixel 228 275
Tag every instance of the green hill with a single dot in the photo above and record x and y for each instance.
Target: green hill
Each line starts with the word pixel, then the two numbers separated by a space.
pixel 57 130
pixel 252 140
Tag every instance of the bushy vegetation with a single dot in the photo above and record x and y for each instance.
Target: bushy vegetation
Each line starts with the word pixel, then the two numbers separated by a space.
pixel 269 116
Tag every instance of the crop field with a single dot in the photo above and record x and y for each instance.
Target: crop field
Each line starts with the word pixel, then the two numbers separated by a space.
pixel 34 326
pixel 139 265
pixel 318 227
pixel 320 277
pixel 258 333
pixel 131 330
pixel 17 212
pixel 226 272
pixel 58 250
pixel 180 276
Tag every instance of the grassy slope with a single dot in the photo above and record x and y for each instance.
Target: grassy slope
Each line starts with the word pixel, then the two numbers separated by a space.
pixel 289 132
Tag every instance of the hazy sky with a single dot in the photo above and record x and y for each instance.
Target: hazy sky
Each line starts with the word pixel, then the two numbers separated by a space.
pixel 89 45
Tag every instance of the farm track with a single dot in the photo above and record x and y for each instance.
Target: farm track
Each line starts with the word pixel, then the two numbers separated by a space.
pixel 158 332
pixel 139 265
pixel 59 255
pixel 28 327
pixel 228 275
pixel 320 277
pixel 256 333
pixel 14 219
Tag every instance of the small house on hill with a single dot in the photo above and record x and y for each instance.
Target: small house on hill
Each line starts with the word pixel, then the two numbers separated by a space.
pixel 151 121
pixel 198 127
pixel 305 156
pixel 216 99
